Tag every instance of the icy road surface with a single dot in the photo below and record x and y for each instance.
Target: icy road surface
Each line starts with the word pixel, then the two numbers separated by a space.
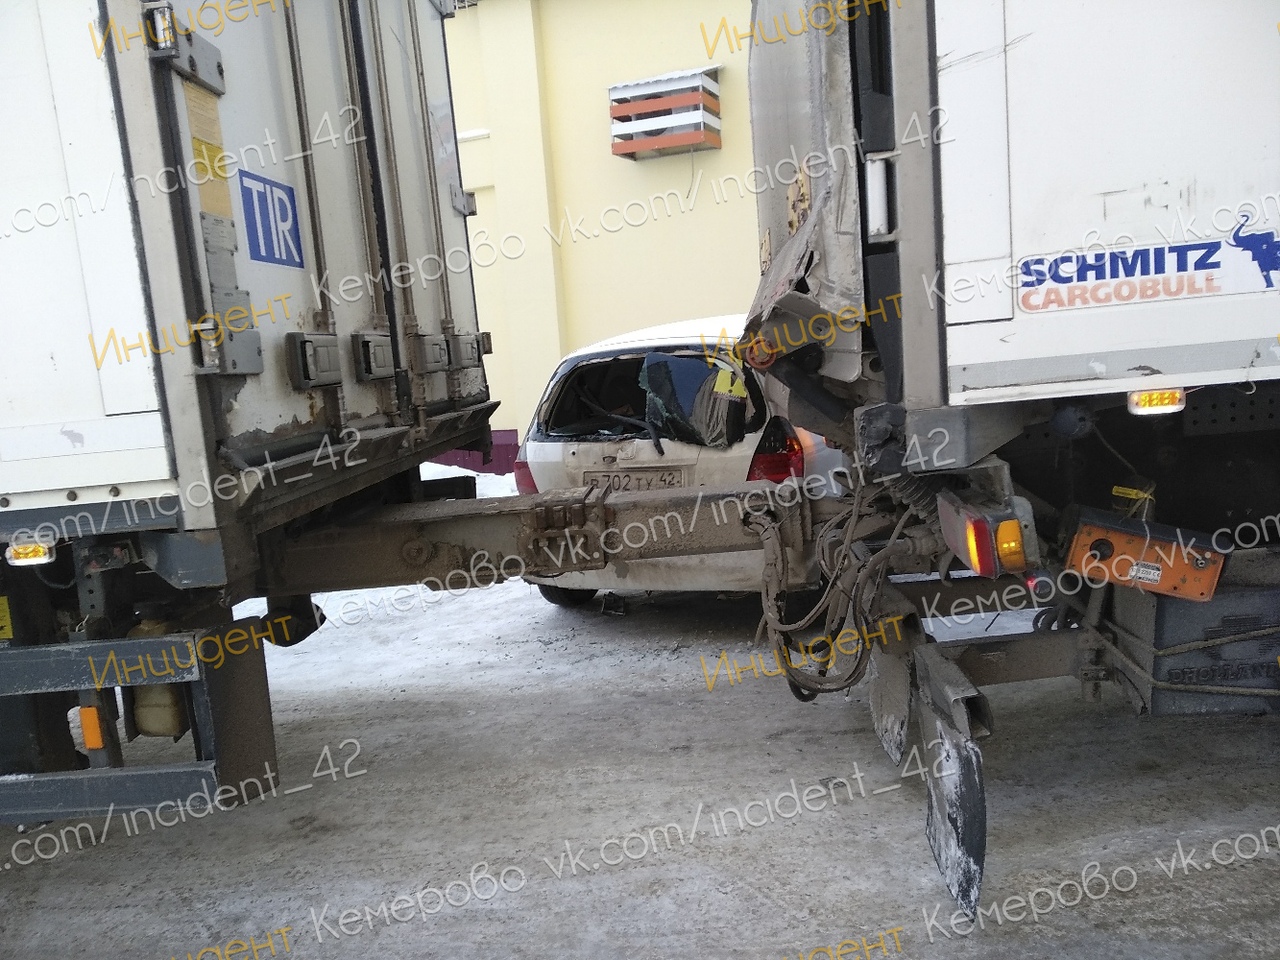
pixel 495 729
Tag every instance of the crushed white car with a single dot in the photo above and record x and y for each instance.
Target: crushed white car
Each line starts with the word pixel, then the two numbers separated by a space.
pixel 667 407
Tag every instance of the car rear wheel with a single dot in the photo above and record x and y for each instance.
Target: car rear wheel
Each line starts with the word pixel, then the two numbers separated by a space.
pixel 564 597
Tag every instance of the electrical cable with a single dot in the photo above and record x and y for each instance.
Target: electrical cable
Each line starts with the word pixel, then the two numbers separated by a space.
pixel 804 683
pixel 852 513
pixel 1114 452
pixel 49 583
pixel 848 577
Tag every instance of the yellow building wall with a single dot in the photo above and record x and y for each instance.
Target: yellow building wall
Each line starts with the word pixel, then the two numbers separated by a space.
pixel 531 85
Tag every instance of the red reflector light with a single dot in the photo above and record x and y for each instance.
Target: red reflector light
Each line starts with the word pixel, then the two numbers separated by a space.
pixel 969 534
pixel 524 477
pixel 980 552
pixel 779 456
pixel 775 467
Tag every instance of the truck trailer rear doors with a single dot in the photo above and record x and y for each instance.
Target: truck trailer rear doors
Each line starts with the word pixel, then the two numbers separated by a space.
pixel 75 416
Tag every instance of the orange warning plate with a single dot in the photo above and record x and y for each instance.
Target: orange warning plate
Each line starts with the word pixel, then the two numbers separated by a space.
pixel 1127 558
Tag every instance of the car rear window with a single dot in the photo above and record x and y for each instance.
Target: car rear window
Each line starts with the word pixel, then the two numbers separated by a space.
pixel 594 396
pixel 602 397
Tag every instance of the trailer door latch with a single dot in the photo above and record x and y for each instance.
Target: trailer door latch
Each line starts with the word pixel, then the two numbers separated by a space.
pixel 312 359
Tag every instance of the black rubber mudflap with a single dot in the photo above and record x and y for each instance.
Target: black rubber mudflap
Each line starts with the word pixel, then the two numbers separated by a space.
pixel 957 817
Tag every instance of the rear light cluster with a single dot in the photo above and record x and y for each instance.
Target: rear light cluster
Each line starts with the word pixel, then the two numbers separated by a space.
pixel 779 456
pixel 988 539
pixel 524 477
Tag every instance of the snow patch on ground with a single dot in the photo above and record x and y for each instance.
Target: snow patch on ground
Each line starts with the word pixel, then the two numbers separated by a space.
pixel 487 484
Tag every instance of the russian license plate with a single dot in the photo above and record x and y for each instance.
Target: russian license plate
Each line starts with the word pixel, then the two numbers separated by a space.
pixel 641 479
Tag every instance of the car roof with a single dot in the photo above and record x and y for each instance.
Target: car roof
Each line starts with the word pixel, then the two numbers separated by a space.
pixel 680 333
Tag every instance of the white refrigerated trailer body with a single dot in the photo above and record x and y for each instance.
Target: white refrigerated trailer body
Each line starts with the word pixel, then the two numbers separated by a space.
pixel 1110 195
pixel 225 234
pixel 238 303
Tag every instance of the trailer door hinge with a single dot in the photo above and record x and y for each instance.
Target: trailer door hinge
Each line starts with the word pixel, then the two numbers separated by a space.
pixel 464 201
pixel 431 353
pixel 190 55
pixel 161 38
pixel 466 350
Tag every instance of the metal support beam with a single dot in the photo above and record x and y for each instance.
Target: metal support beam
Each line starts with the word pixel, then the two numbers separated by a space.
pixel 939 595
pixel 583 529
pixel 918 193
pixel 54 796
pixel 84 665
pixel 951 693
pixel 1031 656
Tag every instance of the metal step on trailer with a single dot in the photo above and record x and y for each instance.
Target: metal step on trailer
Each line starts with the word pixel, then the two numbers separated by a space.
pixel 228 711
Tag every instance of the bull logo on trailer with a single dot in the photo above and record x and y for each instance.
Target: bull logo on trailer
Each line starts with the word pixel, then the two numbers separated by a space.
pixel 1263 247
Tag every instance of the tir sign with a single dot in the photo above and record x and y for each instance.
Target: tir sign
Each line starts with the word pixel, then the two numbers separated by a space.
pixel 271 220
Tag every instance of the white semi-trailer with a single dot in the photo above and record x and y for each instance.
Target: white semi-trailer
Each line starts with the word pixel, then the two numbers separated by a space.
pixel 237 298
pixel 239 316
pixel 1073 209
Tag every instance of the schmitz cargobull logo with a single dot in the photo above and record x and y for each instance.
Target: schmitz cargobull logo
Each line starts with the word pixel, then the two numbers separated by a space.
pixel 1240 263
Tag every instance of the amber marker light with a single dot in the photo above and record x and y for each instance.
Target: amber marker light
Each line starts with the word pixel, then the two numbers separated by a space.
pixel 91 728
pixel 1145 403
pixel 1009 545
pixel 28 554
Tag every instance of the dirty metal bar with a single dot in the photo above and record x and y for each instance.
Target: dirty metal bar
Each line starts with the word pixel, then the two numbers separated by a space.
pixel 951 693
pixel 1031 656
pixel 938 596
pixel 466 544
pixel 66 666
pixel 54 796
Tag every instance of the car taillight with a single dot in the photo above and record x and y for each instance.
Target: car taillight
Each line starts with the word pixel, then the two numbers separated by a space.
pixel 989 541
pixel 780 454
pixel 524 477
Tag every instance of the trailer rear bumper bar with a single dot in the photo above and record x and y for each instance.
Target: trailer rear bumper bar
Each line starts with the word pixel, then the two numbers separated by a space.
pixel 79 793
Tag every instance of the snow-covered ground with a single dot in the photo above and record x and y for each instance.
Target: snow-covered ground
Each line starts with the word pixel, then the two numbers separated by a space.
pixel 493 728
pixel 487 484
